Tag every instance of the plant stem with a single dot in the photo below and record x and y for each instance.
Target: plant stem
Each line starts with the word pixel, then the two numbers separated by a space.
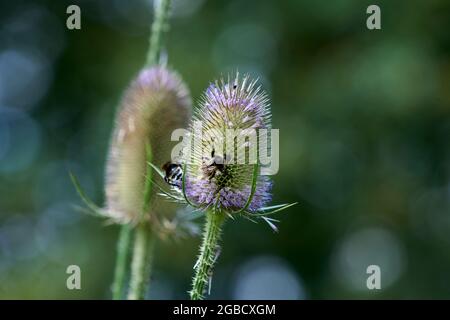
pixel 123 245
pixel 142 261
pixel 159 27
pixel 143 238
pixel 208 252
pixel 144 241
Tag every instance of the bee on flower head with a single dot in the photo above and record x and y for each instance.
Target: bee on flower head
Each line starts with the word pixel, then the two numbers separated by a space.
pixel 173 174
pixel 213 166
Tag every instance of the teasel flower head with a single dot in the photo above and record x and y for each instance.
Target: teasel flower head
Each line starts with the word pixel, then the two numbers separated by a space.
pixel 156 103
pixel 220 174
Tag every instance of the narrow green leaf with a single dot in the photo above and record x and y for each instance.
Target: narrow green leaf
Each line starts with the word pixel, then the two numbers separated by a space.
pixel 91 205
pixel 157 170
pixel 274 211
pixel 273 207
pixel 270 223
pixel 164 192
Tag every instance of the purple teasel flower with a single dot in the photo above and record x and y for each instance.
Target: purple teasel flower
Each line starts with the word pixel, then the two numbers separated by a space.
pixel 213 179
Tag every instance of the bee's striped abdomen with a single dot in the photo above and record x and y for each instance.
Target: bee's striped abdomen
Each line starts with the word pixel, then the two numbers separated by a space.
pixel 173 174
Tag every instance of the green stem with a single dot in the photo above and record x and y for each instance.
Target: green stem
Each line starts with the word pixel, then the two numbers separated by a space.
pixel 208 251
pixel 159 27
pixel 123 245
pixel 143 242
pixel 142 261
pixel 143 238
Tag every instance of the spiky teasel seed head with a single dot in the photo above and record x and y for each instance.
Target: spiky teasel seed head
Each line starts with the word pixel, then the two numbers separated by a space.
pixel 156 103
pixel 219 173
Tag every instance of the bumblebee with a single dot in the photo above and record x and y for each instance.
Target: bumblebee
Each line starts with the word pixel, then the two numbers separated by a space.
pixel 173 173
pixel 213 166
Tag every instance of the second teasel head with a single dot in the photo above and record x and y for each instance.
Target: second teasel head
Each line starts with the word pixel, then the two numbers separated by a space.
pixel 156 103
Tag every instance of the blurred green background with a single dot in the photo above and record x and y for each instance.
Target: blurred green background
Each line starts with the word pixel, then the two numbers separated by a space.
pixel 364 119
